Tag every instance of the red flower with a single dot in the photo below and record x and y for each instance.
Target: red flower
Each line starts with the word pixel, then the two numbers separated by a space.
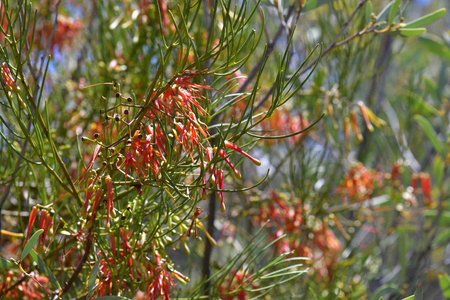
pixel 232 146
pixel 159 286
pixel 33 215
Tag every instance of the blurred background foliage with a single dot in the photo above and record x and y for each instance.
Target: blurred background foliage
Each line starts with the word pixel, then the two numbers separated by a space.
pixel 356 207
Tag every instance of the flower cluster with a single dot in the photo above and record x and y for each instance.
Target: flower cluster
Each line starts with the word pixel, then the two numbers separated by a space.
pixel 66 31
pixel 425 182
pixel 283 122
pixel 360 183
pixel 172 127
pixel 30 289
pixel 170 133
pixel 306 236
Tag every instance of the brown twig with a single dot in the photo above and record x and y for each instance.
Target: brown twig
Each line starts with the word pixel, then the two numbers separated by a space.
pixel 89 242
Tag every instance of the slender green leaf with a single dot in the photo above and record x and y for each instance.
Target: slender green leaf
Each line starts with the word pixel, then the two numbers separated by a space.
pixel 427 19
pixel 394 9
pixel 93 277
pixel 429 131
pixel 44 268
pixel 368 12
pixel 435 45
pixel 444 282
pixel 408 32
pixel 5 264
pixel 31 243
pixel 409 298
pixel 384 12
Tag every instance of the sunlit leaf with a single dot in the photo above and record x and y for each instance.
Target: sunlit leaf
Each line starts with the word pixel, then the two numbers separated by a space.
pixel 31 243
pixel 444 282
pixel 427 19
pixel 409 32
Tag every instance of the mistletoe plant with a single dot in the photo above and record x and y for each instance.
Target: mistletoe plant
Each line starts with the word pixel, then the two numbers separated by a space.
pixel 105 172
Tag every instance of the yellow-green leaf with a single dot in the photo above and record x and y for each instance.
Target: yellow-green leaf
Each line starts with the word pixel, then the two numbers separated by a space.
pixel 408 32
pixel 31 243
pixel 394 9
pixel 427 19
pixel 444 282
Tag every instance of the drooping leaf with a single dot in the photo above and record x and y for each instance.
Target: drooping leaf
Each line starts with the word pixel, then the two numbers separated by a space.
pixel 44 268
pixel 31 243
pixel 427 19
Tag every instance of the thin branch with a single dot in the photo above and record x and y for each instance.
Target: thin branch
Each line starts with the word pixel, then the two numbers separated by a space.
pixel 270 48
pixel 89 242
pixel 333 45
